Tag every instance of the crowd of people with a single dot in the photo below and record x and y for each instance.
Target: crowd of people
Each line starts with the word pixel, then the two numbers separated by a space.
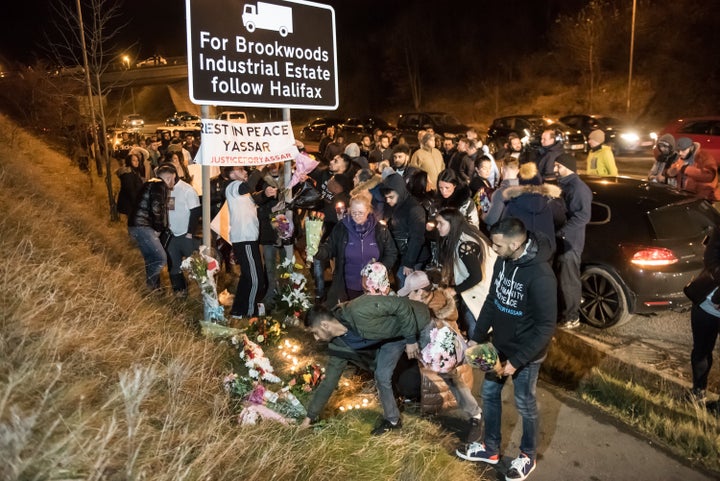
pixel 490 246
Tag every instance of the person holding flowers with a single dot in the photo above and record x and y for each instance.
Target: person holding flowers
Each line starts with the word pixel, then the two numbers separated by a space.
pixel 371 332
pixel 444 314
pixel 355 241
pixel 521 309
pixel 244 232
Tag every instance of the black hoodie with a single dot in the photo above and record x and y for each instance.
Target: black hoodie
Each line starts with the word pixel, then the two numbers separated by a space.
pixel 406 221
pixel 521 306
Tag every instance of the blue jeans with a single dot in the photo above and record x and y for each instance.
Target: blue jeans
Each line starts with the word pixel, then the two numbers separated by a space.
pixel 148 241
pixel 525 384
pixel 385 362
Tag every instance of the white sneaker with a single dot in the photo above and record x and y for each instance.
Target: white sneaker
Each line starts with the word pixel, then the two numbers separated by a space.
pixel 520 468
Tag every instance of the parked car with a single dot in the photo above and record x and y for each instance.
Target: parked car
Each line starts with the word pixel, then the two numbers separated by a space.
pixel 704 130
pixel 133 121
pixel 237 117
pixel 315 129
pixel 622 137
pixel 644 243
pixel 183 118
pixel 447 125
pixel 355 127
pixel 530 128
pixel 154 61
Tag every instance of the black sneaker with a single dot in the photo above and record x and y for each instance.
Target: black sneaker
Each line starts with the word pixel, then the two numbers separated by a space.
pixel 520 468
pixel 385 426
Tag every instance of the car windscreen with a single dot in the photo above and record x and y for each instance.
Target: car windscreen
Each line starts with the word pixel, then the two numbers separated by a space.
pixel 689 220
pixel 445 119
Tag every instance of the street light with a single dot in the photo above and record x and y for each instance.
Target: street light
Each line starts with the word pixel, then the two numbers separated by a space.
pixel 632 48
pixel 126 61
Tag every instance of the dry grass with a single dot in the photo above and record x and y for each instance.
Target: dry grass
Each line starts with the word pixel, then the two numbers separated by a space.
pixel 97 381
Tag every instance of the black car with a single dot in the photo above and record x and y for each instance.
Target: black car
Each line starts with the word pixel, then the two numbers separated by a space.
pixel 355 127
pixel 409 124
pixel 622 137
pixel 530 128
pixel 183 118
pixel 315 129
pixel 644 243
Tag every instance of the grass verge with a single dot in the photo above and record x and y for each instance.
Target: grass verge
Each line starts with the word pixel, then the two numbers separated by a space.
pixel 99 381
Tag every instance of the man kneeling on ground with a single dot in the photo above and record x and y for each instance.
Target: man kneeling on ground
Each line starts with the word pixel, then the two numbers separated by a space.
pixel 371 332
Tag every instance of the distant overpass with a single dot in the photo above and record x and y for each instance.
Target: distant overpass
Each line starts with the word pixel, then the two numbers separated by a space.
pixel 175 71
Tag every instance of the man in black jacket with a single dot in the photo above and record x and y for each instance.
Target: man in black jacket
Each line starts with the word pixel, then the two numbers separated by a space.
pixel 406 220
pixel 521 310
pixel 571 239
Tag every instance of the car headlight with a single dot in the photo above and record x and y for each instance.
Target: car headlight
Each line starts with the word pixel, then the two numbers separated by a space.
pixel 653 135
pixel 630 137
pixel 449 135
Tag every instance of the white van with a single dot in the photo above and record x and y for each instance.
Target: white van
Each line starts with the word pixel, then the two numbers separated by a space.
pixel 237 117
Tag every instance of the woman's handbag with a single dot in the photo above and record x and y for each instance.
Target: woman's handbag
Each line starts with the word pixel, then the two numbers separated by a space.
pixel 698 289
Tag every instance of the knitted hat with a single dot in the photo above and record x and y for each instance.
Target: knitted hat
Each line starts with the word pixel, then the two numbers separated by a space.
pixel 414 281
pixel 568 161
pixel 668 139
pixel 376 276
pixel 352 150
pixel 597 135
pixel 684 143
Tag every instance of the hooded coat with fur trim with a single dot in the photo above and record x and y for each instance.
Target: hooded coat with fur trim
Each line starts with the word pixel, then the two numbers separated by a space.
pixel 539 207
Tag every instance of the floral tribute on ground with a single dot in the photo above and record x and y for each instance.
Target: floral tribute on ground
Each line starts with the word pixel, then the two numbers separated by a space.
pixel 291 297
pixel 201 266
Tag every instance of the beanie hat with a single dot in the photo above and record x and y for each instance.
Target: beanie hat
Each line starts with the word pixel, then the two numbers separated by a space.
pixel 684 143
pixel 597 135
pixel 376 276
pixel 668 139
pixel 352 150
pixel 568 161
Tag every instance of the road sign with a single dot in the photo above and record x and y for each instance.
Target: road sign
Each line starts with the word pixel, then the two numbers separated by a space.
pixel 265 54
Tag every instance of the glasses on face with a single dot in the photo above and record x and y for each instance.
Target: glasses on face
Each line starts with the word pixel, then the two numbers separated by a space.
pixel 358 213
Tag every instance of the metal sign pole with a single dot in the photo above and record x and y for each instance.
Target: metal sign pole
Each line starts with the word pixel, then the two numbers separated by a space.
pixel 205 114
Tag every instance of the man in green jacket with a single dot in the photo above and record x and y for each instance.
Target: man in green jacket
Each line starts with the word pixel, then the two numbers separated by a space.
pixel 371 331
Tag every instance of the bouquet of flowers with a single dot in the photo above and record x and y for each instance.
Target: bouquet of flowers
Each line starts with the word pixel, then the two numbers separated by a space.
pixel 308 378
pixel 201 267
pixel 483 357
pixel 259 367
pixel 264 330
pixel 291 296
pixel 304 164
pixel 441 354
pixel 313 234
pixel 262 403
pixel 282 225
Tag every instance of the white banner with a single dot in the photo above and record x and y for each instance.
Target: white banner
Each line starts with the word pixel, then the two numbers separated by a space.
pixel 230 143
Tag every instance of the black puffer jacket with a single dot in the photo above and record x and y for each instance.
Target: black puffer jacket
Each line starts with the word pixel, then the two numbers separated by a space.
pixel 151 209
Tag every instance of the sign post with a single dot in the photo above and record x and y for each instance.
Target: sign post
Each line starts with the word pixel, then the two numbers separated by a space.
pixel 264 54
pixel 279 53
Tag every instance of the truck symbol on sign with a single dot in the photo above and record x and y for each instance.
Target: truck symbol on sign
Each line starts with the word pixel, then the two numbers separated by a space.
pixel 268 17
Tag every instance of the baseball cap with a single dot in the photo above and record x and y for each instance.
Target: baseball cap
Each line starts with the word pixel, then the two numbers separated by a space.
pixel 415 280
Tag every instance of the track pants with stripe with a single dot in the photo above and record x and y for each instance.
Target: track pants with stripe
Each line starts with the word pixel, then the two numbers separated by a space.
pixel 251 286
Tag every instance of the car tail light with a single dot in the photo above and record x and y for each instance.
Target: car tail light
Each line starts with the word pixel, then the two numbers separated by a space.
pixel 653 257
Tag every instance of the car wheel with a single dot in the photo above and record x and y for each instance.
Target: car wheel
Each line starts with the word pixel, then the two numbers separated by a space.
pixel 603 302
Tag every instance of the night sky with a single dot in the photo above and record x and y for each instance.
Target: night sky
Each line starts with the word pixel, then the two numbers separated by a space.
pixel 158 26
